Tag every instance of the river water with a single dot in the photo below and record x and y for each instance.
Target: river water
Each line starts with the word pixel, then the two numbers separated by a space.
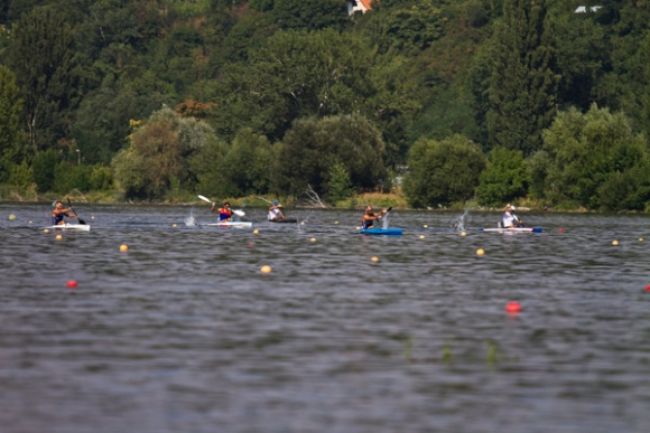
pixel 183 333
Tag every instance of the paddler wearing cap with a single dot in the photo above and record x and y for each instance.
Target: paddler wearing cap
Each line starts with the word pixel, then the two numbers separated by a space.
pixel 275 212
pixel 509 219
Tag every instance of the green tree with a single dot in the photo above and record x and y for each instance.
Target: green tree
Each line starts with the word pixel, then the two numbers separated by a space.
pixel 442 172
pixel 247 164
pixel 339 185
pixel 312 146
pixel 159 154
pixel 295 74
pixel 11 145
pixel 207 164
pixel 42 56
pixel 523 83
pixel 504 179
pixel 588 154
pixel 43 167
pixel 407 29
pixel 309 14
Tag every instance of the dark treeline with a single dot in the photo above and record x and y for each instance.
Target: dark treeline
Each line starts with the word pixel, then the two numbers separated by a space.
pixel 545 101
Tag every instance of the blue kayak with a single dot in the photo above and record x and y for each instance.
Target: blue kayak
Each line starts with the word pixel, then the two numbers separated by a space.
pixel 390 231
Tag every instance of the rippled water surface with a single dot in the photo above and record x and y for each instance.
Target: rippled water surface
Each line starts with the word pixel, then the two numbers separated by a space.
pixel 184 333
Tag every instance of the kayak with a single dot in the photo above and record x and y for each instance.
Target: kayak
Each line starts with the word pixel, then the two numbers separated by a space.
pixel 390 231
pixel 514 230
pixel 285 221
pixel 236 224
pixel 71 226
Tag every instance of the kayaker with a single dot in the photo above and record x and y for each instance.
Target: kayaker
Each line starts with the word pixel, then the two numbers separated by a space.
pixel 225 213
pixel 369 217
pixel 509 219
pixel 275 212
pixel 59 212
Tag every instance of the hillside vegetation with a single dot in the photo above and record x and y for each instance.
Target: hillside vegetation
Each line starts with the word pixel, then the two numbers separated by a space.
pixel 449 101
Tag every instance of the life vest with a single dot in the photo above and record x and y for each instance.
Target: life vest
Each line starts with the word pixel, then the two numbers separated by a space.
pixel 224 213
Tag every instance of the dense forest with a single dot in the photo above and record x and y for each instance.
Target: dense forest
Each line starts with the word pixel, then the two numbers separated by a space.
pixel 545 102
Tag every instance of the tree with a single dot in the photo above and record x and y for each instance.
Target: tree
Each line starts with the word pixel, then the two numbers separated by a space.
pixel 295 74
pixel 159 155
pixel 588 155
pixel 309 14
pixel 11 106
pixel 407 29
pixel 523 83
pixel 442 172
pixel 313 146
pixel 42 56
pixel 504 179
pixel 247 164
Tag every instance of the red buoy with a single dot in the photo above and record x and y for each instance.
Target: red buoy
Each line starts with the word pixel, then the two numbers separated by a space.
pixel 647 288
pixel 562 230
pixel 513 307
pixel 72 284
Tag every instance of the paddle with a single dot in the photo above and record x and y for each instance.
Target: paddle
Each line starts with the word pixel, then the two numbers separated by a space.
pixel 81 221
pixel 237 212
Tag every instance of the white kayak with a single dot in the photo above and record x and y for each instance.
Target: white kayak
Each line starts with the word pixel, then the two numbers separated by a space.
pixel 71 226
pixel 236 224
pixel 514 230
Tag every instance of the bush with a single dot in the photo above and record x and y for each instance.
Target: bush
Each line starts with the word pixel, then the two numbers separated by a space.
pixel 339 186
pixel 43 170
pixel 20 175
pixel 68 176
pixel 442 172
pixel 101 178
pixel 504 179
pixel 159 153
pixel 312 146
pixel 589 157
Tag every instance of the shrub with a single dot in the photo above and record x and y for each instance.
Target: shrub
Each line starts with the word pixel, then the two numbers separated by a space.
pixel 504 179
pixel 442 172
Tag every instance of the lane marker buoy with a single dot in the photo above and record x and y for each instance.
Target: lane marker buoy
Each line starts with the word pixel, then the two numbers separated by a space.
pixel 513 307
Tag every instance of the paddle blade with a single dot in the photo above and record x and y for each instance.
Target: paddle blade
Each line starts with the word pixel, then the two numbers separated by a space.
pixel 81 221
pixel 238 212
pixel 204 198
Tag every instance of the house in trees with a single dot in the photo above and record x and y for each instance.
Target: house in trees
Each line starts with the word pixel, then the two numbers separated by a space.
pixel 362 6
pixel 585 9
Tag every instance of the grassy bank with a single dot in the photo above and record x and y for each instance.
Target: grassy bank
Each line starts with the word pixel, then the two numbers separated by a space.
pixel 397 200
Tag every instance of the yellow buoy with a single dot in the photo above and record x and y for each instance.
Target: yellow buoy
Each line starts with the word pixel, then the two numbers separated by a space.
pixel 46 231
pixel 374 259
pixel 615 243
pixel 58 237
pixel 425 226
pixel 12 217
pixel 480 252
pixel 174 225
pixel 463 233
pixel 266 269
pixel 312 240
pixel 336 222
pixel 124 248
pixel 422 236
pixel 256 231
pixel 641 239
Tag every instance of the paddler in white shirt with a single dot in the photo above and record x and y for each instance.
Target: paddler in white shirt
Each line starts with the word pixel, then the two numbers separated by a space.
pixel 509 219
